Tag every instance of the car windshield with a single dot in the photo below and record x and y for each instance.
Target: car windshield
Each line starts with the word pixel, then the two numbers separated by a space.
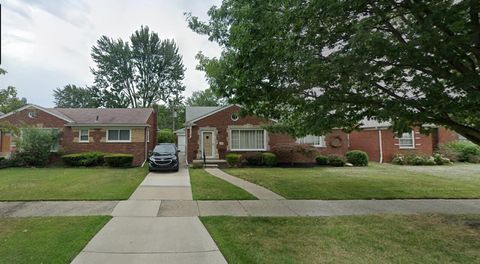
pixel 162 149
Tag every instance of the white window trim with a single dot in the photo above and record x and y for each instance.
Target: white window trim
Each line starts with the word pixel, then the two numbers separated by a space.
pixel 400 146
pixel 264 139
pixel 80 136
pixel 119 141
pixel 323 145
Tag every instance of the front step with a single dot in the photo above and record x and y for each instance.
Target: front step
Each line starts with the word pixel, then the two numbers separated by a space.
pixel 210 163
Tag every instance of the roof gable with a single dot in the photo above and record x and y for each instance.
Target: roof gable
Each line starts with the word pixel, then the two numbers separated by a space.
pixel 46 110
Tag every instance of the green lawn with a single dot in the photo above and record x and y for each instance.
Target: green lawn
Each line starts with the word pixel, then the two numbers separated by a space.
pixel 69 183
pixel 348 239
pixel 46 239
pixel 377 181
pixel 208 187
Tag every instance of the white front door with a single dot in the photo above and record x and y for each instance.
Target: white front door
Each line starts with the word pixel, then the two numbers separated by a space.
pixel 207 144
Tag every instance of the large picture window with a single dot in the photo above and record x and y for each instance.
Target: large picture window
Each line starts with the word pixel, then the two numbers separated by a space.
pixel 247 139
pixel 407 140
pixel 316 141
pixel 118 135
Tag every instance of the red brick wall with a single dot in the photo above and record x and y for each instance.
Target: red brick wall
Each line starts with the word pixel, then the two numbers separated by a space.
pixel 367 140
pixel 66 135
pixel 446 135
pixel 221 121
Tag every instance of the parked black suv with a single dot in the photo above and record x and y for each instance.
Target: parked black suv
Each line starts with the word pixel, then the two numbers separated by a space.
pixel 163 157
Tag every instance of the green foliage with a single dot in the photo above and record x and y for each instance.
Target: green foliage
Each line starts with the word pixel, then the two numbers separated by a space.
pixel 139 73
pixel 165 118
pixel 269 159
pixel 204 98
pixel 34 147
pixel 9 128
pixel 357 158
pixel 9 100
pixel 415 160
pixel 295 153
pixel 336 161
pixel 197 165
pixel 321 160
pixel 461 150
pixel 233 159
pixel 87 159
pixel 253 158
pixel 318 65
pixel 165 136
pixel 119 160
pixel 72 96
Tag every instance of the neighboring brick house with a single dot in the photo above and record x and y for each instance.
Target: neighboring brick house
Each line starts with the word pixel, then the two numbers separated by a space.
pixel 216 131
pixel 110 130
pixel 381 143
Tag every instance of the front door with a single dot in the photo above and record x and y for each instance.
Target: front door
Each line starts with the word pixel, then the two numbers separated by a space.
pixel 207 144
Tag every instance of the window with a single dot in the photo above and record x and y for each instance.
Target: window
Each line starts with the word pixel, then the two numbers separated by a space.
pixel 234 116
pixel 32 114
pixel 84 135
pixel 316 141
pixel 247 139
pixel 118 135
pixel 407 140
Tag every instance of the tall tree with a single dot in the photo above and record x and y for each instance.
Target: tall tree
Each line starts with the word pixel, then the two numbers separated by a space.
pixel 9 100
pixel 72 96
pixel 205 98
pixel 144 72
pixel 316 65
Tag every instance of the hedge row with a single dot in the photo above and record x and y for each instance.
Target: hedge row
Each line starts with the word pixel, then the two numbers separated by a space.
pixel 252 159
pixel 90 159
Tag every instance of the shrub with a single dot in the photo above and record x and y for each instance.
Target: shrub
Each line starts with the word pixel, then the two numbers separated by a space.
pixel 6 163
pixel 253 158
pixel 398 159
pixel 441 160
pixel 233 159
pixel 322 160
pixel 197 165
pixel 295 153
pixel 413 159
pixel 119 160
pixel 165 136
pixel 357 158
pixel 460 150
pixel 35 146
pixel 336 161
pixel 269 159
pixel 87 159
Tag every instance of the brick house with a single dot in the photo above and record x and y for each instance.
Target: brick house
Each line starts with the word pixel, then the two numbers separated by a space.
pixel 216 131
pixel 110 130
pixel 381 143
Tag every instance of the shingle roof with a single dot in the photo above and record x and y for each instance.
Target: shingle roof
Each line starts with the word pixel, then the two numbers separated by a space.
pixel 105 115
pixel 194 112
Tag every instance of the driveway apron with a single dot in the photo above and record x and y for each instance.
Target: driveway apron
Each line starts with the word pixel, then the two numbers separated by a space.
pixel 137 235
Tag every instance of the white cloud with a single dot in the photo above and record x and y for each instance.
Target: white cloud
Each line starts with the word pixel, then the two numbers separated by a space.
pixel 45 45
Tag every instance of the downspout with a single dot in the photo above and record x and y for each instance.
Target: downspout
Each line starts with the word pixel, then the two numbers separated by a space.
pixel 146 145
pixel 380 144
pixel 186 144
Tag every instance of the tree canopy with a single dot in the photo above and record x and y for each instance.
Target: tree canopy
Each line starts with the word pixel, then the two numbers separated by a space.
pixel 141 73
pixel 317 65
pixel 9 100
pixel 205 97
pixel 72 96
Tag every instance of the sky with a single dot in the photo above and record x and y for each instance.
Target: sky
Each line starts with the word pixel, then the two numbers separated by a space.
pixel 46 44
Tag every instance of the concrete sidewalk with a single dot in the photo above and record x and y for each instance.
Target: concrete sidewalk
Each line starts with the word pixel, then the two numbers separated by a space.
pixel 256 190
pixel 316 207
pixel 137 235
pixel 56 208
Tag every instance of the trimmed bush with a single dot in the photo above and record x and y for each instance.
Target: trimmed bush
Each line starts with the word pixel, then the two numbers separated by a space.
pixel 460 150
pixel 321 160
pixel 119 160
pixel 441 160
pixel 415 160
pixel 165 136
pixel 233 159
pixel 87 159
pixel 336 161
pixel 269 159
pixel 357 158
pixel 197 165
pixel 295 153
pixel 253 158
